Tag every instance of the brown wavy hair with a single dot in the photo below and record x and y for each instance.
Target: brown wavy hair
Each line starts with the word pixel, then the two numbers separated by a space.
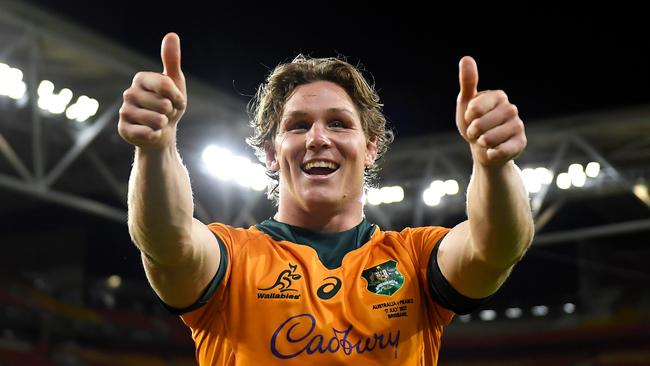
pixel 266 107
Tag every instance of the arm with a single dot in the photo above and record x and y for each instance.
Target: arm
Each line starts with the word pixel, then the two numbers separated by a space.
pixel 179 253
pixel 478 254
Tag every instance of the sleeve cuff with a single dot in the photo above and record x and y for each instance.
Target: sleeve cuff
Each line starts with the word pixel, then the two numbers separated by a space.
pixel 443 292
pixel 209 290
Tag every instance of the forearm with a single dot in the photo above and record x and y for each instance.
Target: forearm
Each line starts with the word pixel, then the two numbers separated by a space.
pixel 501 225
pixel 160 205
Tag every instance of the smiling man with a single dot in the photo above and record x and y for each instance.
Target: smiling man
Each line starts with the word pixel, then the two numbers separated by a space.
pixel 318 284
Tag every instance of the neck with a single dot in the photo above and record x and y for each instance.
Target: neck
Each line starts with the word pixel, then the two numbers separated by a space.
pixel 322 219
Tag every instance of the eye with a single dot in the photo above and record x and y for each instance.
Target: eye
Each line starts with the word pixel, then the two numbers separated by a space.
pixel 337 124
pixel 298 126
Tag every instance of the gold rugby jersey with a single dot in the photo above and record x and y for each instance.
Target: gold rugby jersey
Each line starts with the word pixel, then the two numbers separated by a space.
pixel 284 295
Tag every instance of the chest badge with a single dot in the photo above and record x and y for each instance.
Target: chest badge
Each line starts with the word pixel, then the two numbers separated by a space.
pixel 383 279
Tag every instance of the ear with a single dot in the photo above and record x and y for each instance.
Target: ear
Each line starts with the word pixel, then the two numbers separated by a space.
pixel 371 151
pixel 271 162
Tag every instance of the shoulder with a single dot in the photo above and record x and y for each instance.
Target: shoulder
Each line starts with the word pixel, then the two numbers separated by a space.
pixel 410 234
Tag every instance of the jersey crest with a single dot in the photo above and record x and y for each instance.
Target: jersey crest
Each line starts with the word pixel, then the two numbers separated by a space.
pixel 383 279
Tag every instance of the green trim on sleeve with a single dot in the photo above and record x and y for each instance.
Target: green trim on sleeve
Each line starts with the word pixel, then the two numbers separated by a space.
pixel 210 289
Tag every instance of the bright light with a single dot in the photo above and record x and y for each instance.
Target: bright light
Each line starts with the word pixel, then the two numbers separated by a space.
pixel 374 196
pixel 258 178
pixel 438 187
pixel 563 181
pixel 544 175
pixel 431 197
pixel 392 194
pixel 531 182
pixel 53 103
pixel 219 162
pixel 45 88
pixel 226 166
pixel 514 313
pixel 569 308
pixel 377 196
pixel 592 169
pixel 641 191
pixel 451 187
pixel 487 315
pixel 540 310
pixel 577 175
pixel 575 169
pixel 82 109
pixel 114 281
pixel 251 175
pixel 578 179
pixel 11 82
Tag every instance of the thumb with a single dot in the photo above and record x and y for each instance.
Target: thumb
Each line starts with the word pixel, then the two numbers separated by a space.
pixel 468 80
pixel 170 53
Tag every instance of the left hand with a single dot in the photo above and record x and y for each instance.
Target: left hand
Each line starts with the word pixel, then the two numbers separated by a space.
pixel 487 120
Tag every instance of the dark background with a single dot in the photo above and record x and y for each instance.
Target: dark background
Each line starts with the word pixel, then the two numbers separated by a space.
pixel 552 62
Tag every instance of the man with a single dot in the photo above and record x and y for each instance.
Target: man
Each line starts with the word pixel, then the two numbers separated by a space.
pixel 317 284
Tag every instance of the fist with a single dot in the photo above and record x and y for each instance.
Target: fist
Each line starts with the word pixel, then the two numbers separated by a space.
pixel 155 102
pixel 487 120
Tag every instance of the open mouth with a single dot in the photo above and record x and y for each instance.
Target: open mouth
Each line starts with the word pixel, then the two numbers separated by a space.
pixel 319 167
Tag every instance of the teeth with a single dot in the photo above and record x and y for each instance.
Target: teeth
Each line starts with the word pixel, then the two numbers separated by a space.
pixel 320 164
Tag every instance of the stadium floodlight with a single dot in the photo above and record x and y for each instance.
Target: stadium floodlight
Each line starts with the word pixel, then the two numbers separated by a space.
pixel 539 310
pixel 487 315
pixel 592 169
pixel 569 308
pixel 11 82
pixel 514 313
pixel 226 166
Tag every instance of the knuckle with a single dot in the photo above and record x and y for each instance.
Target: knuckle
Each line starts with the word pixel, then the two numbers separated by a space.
pixel 122 129
pixel 519 125
pixel 487 140
pixel 167 106
pixel 159 121
pixel 124 112
pixel 512 110
pixel 129 95
pixel 182 103
pixel 501 95
pixel 138 78
pixel 515 109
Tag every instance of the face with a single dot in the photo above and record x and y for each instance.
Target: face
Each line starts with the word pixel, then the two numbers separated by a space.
pixel 320 150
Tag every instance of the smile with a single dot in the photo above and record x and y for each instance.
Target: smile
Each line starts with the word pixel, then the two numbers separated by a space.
pixel 319 167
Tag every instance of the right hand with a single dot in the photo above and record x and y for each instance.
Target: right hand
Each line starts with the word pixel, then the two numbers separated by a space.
pixel 155 102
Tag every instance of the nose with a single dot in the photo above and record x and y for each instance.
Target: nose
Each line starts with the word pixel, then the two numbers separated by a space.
pixel 318 137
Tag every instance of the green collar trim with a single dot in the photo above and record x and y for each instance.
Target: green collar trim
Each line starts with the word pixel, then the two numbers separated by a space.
pixel 330 247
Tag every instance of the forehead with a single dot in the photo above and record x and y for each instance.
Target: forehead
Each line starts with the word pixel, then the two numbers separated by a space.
pixel 317 97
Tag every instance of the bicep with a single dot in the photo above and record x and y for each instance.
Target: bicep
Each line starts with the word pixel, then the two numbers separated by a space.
pixel 181 284
pixel 463 269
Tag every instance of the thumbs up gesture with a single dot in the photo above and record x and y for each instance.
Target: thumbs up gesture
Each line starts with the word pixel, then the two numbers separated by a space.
pixel 155 102
pixel 487 120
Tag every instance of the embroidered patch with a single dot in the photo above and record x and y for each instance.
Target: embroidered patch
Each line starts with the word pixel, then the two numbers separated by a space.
pixel 383 279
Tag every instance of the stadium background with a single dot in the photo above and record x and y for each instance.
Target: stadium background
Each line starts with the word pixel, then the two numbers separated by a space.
pixel 72 291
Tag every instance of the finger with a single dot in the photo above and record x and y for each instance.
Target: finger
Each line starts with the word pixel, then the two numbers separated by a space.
pixel 495 117
pixel 500 134
pixel 170 54
pixel 138 116
pixel 137 134
pixel 508 150
pixel 485 102
pixel 148 100
pixel 161 85
pixel 468 80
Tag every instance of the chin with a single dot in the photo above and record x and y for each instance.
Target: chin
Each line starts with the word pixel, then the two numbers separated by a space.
pixel 327 198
